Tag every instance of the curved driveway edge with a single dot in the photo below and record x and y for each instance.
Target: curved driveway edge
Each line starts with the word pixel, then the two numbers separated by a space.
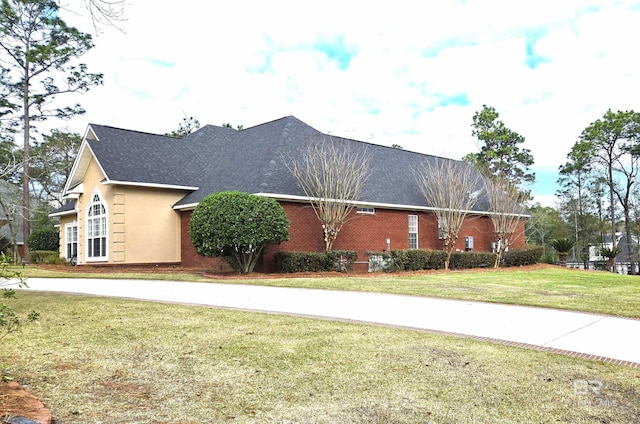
pixel 586 335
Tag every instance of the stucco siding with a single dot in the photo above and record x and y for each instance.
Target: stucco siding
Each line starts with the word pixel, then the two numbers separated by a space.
pixel 64 221
pixel 91 181
pixel 148 229
pixel 142 226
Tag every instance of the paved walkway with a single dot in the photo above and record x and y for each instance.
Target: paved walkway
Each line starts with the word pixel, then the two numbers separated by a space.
pixel 599 337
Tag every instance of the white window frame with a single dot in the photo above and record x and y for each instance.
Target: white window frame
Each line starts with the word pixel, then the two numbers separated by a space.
pixel 442 226
pixel 70 238
pixel 366 211
pixel 413 231
pixel 96 230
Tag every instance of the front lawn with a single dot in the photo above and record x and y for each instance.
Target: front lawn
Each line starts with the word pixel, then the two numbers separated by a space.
pixel 546 286
pixel 99 360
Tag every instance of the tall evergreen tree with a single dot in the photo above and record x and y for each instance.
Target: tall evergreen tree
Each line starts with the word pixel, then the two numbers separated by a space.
pixel 501 155
pixel 575 176
pixel 37 55
pixel 52 160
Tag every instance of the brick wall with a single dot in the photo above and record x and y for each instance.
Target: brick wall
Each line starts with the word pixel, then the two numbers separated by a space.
pixel 190 259
pixel 362 233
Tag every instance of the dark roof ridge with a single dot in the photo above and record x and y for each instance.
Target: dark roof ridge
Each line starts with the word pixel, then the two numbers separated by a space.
pixel 134 131
pixel 215 126
pixel 375 145
pixel 288 117
pixel 272 166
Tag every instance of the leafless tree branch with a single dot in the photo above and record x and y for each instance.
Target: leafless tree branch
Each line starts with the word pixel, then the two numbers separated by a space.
pixel 505 204
pixel 332 175
pixel 452 188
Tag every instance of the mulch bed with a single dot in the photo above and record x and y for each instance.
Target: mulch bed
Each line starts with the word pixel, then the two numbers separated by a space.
pixel 15 402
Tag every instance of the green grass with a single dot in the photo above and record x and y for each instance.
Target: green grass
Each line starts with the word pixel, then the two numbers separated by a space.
pixel 99 360
pixel 72 272
pixel 553 287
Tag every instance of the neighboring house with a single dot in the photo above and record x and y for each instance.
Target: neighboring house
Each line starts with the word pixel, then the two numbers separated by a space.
pixel 131 195
pixel 623 260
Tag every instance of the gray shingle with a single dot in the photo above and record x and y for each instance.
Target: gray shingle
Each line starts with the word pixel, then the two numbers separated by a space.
pixel 251 160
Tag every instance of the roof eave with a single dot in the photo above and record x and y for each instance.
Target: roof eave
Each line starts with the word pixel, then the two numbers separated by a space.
pixel 150 185
pixel 63 213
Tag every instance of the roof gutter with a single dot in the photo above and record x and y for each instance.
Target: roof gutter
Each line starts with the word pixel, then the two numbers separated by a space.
pixel 304 199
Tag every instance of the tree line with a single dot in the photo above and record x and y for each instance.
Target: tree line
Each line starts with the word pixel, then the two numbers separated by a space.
pixel 599 195
pixel 40 63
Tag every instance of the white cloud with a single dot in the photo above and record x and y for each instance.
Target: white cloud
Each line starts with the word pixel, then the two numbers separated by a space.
pixel 416 71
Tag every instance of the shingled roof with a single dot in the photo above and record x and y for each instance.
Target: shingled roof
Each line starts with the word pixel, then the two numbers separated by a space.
pixel 214 159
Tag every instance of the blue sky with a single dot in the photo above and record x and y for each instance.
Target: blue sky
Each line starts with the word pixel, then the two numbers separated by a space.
pixel 412 74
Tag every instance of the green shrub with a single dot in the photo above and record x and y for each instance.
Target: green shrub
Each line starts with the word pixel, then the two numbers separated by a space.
pixel 44 240
pixel 335 260
pixel 397 261
pixel 417 259
pixel 425 259
pixel 410 259
pixel 548 257
pixel 436 259
pixel 45 257
pixel 9 319
pixel 523 256
pixel 238 227
pixel 467 260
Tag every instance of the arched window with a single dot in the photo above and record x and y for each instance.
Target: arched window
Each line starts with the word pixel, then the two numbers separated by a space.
pixel 96 229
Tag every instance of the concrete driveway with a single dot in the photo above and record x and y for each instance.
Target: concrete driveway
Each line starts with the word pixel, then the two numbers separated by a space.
pixel 592 336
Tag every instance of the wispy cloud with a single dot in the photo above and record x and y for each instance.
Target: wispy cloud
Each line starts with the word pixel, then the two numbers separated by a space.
pixel 375 73
pixel 336 49
pixel 532 57
pixel 161 62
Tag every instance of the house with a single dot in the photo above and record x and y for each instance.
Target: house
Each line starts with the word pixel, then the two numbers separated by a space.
pixel 131 195
pixel 623 260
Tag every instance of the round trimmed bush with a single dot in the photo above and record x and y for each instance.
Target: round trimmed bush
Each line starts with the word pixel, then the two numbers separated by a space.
pixel 237 226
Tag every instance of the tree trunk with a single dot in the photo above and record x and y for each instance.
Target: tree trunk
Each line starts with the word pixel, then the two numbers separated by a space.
pixel 613 215
pixel 630 249
pixel 26 208
pixel 562 258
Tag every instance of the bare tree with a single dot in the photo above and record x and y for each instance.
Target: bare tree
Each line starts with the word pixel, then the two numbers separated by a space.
pixel 505 211
pixel 332 174
pixel 452 188
pixel 105 13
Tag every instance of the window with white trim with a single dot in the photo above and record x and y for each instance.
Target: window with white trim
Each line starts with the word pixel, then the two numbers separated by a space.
pixel 442 227
pixel 96 229
pixel 369 211
pixel 71 240
pixel 413 231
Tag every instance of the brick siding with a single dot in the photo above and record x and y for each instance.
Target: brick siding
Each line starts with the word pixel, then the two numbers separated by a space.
pixel 362 233
pixel 191 259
